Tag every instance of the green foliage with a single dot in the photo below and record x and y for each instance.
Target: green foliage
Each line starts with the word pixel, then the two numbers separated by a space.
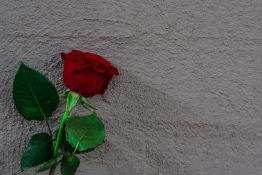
pixel 65 145
pixel 68 149
pixel 69 165
pixel 34 95
pixel 85 132
pixel 37 151
pixel 47 165
pixel 36 98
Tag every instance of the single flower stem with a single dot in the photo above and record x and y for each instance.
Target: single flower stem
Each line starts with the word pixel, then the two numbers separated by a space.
pixel 72 99
pixel 60 132
pixel 59 137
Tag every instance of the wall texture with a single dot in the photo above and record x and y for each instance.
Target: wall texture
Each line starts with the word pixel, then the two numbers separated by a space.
pixel 189 97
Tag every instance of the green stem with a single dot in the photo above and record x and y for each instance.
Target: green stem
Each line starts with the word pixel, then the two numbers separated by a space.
pixel 60 132
pixel 72 99
pixel 59 137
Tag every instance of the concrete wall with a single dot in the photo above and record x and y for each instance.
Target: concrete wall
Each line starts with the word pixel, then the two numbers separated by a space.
pixel 189 97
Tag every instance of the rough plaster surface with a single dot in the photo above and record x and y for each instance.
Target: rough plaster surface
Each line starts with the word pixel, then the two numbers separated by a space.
pixel 189 97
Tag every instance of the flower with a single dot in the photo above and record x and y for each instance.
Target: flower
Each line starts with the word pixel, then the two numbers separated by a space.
pixel 86 73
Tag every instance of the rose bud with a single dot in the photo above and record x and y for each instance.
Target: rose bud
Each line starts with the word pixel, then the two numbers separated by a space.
pixel 86 73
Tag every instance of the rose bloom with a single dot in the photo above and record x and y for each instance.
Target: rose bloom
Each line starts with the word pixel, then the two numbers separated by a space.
pixel 86 73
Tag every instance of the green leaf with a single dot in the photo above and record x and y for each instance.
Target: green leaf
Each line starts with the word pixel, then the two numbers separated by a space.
pixel 34 95
pixel 85 132
pixel 69 165
pixel 86 151
pixel 65 145
pixel 47 165
pixel 37 151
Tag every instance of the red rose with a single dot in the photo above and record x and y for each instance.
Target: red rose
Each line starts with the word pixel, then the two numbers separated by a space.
pixel 86 73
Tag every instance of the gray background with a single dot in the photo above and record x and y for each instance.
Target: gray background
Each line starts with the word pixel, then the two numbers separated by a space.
pixel 188 100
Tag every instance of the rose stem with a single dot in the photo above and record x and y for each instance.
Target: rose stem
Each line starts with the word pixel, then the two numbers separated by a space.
pixel 72 99
pixel 58 139
pixel 60 132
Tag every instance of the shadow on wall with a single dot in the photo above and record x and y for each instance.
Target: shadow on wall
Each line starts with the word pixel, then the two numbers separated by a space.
pixel 144 131
pixel 151 133
pixel 147 133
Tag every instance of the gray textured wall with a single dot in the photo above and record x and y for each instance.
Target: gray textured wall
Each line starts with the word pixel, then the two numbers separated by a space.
pixel 189 97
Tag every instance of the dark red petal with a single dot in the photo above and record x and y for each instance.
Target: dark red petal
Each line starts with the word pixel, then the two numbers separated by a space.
pixel 87 82
pixel 105 84
pixel 63 55
pixel 86 73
